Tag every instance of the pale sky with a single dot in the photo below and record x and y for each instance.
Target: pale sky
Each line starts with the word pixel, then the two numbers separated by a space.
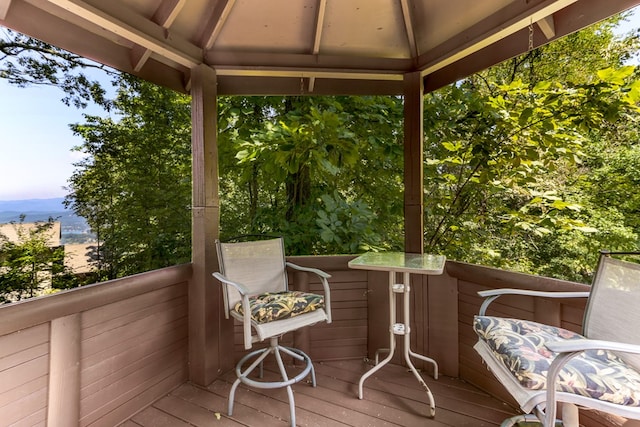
pixel 35 139
pixel 35 142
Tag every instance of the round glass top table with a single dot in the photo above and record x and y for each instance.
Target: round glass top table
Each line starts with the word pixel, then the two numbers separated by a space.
pixel 406 263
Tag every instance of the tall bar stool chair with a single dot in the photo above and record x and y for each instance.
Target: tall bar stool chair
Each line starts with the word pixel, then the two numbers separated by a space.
pixel 254 274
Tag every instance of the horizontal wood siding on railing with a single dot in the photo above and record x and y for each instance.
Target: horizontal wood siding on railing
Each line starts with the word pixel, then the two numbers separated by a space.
pixel 346 336
pixel 24 376
pixel 131 347
pixel 94 356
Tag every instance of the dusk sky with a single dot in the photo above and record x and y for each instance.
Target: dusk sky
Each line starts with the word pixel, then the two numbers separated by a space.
pixel 35 142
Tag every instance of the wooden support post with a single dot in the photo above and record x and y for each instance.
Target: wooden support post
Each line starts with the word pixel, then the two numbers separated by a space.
pixel 64 372
pixel 209 352
pixel 413 163
pixel 441 336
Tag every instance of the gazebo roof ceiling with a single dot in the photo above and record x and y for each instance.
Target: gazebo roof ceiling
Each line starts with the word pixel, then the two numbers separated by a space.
pixel 303 46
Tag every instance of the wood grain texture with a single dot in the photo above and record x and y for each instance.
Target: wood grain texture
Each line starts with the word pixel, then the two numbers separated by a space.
pixel 392 398
pixel 24 370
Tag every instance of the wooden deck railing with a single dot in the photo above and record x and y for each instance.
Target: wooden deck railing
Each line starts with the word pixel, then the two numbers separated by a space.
pixel 101 353
pixel 96 354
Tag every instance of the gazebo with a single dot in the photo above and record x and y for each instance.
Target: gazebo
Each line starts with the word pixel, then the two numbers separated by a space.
pixel 209 48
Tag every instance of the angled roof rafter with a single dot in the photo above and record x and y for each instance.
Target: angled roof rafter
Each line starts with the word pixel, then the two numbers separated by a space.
pixel 135 28
pixel 259 47
pixel 409 27
pixel 164 16
pixel 548 27
pixel 317 35
pixel 215 23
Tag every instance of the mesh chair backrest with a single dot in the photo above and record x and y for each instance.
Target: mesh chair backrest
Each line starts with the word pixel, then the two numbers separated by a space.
pixel 258 265
pixel 613 310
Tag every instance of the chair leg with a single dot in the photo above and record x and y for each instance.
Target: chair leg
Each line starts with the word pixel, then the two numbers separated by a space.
pixel 301 358
pixel 292 406
pixel 515 420
pixel 242 375
pixel 531 419
pixel 232 396
pixel 570 415
pixel 285 377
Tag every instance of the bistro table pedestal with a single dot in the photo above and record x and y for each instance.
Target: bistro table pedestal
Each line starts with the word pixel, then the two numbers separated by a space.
pixel 406 263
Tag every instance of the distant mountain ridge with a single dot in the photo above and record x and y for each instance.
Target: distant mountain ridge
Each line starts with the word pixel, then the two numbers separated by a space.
pixel 74 228
pixel 33 205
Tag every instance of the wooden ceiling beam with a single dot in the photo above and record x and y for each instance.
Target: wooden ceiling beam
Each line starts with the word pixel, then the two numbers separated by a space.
pixel 302 73
pixel 215 23
pixel 267 61
pixel 491 30
pixel 129 25
pixel 4 8
pixel 229 85
pixel 164 16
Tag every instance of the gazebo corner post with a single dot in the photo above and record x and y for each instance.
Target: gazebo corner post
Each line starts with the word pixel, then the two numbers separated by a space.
pixel 432 316
pixel 413 94
pixel 208 356
pixel 413 91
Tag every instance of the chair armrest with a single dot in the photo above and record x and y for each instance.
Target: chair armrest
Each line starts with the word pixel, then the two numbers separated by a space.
pixel 246 308
pixel 567 350
pixel 325 284
pixel 571 346
pixel 309 270
pixel 239 287
pixel 493 294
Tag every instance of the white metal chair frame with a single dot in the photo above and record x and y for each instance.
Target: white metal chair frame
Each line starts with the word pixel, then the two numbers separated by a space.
pixel 244 281
pixel 540 405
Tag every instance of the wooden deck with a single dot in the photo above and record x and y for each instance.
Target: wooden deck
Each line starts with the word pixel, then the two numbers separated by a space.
pixel 392 397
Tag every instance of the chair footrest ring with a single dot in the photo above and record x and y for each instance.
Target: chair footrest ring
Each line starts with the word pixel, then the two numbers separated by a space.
pixel 298 354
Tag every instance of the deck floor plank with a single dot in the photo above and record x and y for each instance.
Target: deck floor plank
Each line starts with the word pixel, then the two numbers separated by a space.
pixel 451 396
pixel 152 416
pixel 392 397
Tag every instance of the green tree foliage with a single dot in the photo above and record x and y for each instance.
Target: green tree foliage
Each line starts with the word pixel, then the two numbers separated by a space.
pixel 507 178
pixel 30 266
pixel 301 167
pixel 134 185
pixel 26 61
pixel 529 165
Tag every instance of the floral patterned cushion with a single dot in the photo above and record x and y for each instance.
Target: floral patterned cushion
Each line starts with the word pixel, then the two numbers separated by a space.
pixel 520 345
pixel 272 306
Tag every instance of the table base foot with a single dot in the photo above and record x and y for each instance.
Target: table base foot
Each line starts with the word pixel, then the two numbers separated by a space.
pixel 372 371
pixel 412 354
pixel 379 365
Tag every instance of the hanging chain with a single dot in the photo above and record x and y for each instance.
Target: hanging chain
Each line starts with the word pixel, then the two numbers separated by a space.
pixel 530 36
pixel 301 85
